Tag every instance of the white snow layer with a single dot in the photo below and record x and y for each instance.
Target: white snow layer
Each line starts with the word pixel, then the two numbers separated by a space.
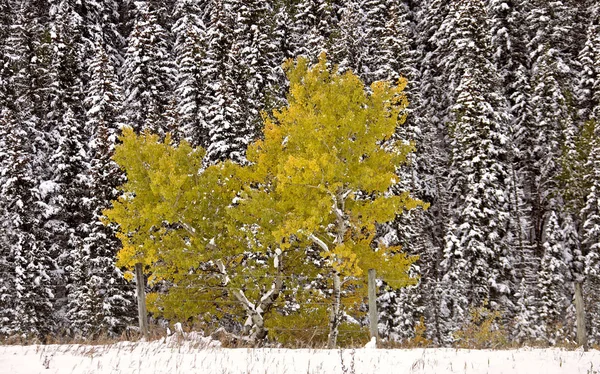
pixel 169 356
pixel 47 187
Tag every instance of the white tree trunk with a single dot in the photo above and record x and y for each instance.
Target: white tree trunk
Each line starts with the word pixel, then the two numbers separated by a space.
pixel 335 315
pixel 255 323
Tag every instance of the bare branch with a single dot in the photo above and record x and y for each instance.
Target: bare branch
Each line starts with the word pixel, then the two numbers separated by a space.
pixel 319 242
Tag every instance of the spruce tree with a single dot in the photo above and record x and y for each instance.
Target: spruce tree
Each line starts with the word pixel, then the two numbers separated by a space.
pixel 100 301
pixel 552 277
pixel 509 44
pixel 189 49
pixel 588 87
pixel 256 63
pixel 5 73
pixel 26 288
pixel 223 113
pixel 147 73
pixel 28 264
pixel 551 25
pixel 526 323
pixel 377 13
pixel 430 111
pixel 398 57
pixel 477 261
pixel 313 25
pixel 65 160
pixel 550 132
pixel 551 117
pixel 100 20
pixel 284 30
pixel 351 50
pixel 591 242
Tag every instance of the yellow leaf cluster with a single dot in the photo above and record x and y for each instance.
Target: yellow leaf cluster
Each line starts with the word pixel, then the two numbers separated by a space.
pixel 335 137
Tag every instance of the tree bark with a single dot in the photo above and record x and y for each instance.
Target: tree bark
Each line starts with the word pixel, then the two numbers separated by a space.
pixel 141 299
pixel 255 323
pixel 339 200
pixel 580 311
pixel 335 315
pixel 373 315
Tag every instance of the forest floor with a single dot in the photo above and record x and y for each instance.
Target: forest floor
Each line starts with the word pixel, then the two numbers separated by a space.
pixel 169 357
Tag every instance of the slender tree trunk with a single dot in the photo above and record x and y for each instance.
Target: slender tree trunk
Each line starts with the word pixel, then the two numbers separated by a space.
pixel 580 311
pixel 373 314
pixel 141 298
pixel 334 317
pixel 339 203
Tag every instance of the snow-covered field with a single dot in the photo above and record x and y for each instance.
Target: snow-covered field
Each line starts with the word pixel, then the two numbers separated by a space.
pixel 161 357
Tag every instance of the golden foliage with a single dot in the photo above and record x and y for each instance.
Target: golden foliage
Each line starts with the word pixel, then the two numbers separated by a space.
pixel 324 168
pixel 333 147
pixel 482 331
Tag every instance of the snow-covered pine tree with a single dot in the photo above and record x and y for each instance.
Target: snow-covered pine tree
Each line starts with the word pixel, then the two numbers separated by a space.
pixel 284 30
pixel 6 97
pixel 223 110
pixel 509 40
pixel 588 104
pixel 401 309
pixel 591 242
pixel 6 15
pixel 241 68
pixel 412 230
pixel 551 25
pixel 147 73
pixel 526 323
pixel 31 264
pixel 551 116
pixel 572 254
pixel 377 13
pixel 552 30
pixel 257 64
pixel 509 44
pixel 350 49
pixel 5 20
pixel 428 109
pixel 477 261
pixel 434 106
pixel 373 39
pixel 100 300
pixel 100 20
pixel 398 57
pixel 189 49
pixel 314 23
pixel 588 88
pixel 6 263
pixel 579 13
pixel 552 277
pixel 62 175
pixel 26 288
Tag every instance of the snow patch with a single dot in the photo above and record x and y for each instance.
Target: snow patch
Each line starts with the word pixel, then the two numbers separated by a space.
pixel 189 357
pixel 47 187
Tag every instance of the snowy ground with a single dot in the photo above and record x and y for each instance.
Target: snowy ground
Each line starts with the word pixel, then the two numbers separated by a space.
pixel 161 357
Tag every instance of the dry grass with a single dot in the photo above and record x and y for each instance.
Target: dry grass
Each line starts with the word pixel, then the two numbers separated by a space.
pixel 478 335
